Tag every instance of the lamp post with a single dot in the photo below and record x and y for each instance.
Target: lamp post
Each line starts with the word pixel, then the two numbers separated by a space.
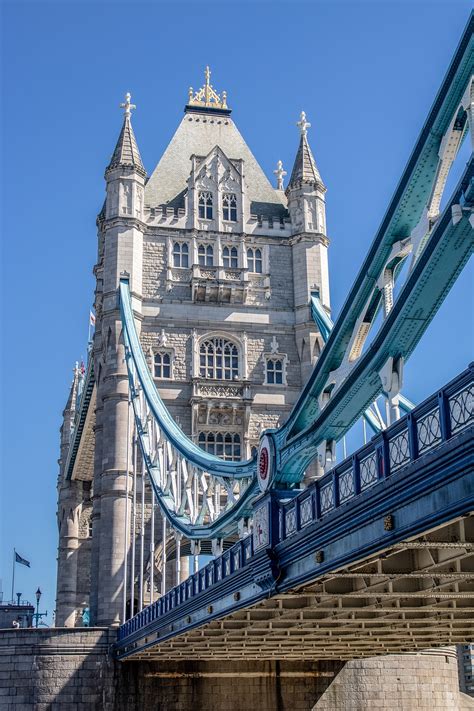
pixel 38 615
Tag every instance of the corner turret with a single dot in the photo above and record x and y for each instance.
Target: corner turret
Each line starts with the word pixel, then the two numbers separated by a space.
pixel 305 191
pixel 309 243
pixel 125 174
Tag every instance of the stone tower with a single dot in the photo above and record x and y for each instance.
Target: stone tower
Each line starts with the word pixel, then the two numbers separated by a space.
pixel 219 262
pixel 120 250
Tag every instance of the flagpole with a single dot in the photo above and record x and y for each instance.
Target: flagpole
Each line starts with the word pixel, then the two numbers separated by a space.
pixel 13 572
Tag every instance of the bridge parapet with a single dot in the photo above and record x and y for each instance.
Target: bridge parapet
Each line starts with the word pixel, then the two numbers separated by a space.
pixel 387 491
pixel 434 421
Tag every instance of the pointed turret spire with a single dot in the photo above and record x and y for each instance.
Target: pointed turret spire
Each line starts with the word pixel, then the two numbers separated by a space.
pixel 305 169
pixel 70 411
pixel 126 151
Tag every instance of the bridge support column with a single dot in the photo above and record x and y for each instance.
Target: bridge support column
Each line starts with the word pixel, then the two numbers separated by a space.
pixel 95 543
pixel 69 512
pixel 113 483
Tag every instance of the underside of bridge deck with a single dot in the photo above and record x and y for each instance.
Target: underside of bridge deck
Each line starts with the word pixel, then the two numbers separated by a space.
pixel 414 595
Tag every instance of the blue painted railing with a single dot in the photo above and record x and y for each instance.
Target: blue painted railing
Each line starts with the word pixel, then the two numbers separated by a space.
pixel 439 418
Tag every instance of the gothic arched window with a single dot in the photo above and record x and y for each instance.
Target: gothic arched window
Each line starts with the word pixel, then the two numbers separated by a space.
pixel 223 444
pixel 180 255
pixel 254 260
pixel 218 359
pixel 275 370
pixel 205 205
pixel 229 207
pixel 230 257
pixel 162 365
pixel 206 255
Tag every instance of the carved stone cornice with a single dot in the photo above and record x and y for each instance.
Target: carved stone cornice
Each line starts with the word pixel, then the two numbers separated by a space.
pixel 125 220
pixel 313 237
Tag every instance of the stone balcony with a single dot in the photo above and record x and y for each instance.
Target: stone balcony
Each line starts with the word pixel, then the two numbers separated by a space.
pixel 204 389
pixel 219 284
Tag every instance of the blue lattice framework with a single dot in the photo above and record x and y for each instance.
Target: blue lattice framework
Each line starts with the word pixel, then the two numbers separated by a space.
pixel 414 476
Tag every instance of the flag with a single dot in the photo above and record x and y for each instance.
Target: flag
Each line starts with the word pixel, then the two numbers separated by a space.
pixel 83 367
pixel 23 561
pixel 91 319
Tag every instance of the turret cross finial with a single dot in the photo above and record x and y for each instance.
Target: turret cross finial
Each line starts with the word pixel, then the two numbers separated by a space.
pixel 280 174
pixel 127 105
pixel 303 124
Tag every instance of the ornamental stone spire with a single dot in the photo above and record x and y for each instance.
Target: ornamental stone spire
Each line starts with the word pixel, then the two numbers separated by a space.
pixel 305 169
pixel 280 174
pixel 126 153
pixel 305 191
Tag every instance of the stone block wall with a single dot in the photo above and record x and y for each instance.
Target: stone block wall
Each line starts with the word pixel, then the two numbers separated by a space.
pixel 67 669
pixel 64 669
pixel 409 682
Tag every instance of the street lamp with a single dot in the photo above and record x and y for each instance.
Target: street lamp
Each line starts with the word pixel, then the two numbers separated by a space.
pixel 38 615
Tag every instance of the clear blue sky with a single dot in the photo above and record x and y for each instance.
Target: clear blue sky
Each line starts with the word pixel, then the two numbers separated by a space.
pixel 366 74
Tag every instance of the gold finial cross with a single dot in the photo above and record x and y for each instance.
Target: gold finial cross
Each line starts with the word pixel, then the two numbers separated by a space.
pixel 303 124
pixel 206 95
pixel 280 174
pixel 127 105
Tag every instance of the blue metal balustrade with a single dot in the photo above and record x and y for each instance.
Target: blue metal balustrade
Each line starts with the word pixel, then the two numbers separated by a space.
pixel 415 475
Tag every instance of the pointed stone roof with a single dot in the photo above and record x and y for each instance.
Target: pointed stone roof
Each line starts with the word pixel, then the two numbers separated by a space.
pixel 305 169
pixel 198 133
pixel 126 151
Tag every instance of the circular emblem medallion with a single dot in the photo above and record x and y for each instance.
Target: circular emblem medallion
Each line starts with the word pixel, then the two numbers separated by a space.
pixel 265 462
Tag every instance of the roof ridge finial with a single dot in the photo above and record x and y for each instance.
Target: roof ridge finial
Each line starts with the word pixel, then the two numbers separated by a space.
pixel 303 124
pixel 206 95
pixel 207 85
pixel 127 105
pixel 280 174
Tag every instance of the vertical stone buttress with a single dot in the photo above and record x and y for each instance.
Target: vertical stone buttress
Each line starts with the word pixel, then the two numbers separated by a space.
pixel 121 250
pixel 69 508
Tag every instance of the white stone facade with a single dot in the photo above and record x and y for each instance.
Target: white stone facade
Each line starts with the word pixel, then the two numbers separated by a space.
pixel 222 267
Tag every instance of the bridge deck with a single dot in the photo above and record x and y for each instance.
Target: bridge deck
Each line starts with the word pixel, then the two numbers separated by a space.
pixel 376 557
pixel 414 595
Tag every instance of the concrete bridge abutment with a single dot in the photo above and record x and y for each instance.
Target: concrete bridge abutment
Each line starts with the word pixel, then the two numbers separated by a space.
pixel 73 670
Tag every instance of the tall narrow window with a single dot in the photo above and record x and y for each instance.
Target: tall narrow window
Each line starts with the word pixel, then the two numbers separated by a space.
pixel 162 365
pixel 254 260
pixel 206 255
pixel 274 371
pixel 223 444
pixel 180 255
pixel 205 205
pixel 229 207
pixel 218 359
pixel 230 257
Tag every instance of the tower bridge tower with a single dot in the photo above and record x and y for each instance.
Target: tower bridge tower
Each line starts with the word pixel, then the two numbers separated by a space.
pixel 222 267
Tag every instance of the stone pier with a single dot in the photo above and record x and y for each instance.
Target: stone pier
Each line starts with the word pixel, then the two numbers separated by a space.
pixel 73 670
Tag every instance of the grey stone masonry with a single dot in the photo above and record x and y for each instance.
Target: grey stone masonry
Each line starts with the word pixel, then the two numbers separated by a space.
pixel 73 670
pixel 240 271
